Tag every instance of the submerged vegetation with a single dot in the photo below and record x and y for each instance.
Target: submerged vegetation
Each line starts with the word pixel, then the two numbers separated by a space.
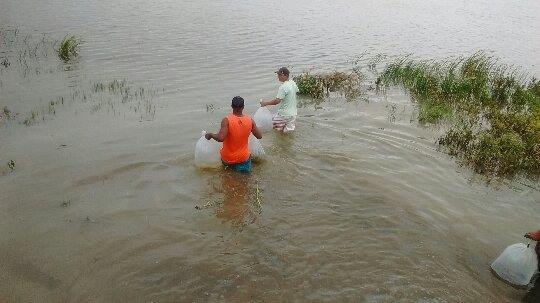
pixel 10 167
pixel 320 85
pixel 25 53
pixel 140 99
pixel 493 110
pixel 68 48
pixel 25 57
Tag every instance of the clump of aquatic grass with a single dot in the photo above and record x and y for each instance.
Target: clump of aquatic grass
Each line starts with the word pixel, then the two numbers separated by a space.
pixel 309 85
pixel 494 110
pixel 68 48
pixel 31 118
pixel 6 113
pixel 320 85
pixel 11 165
pixel 5 62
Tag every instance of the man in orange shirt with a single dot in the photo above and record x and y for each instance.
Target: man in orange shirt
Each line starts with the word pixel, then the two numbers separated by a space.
pixel 234 133
pixel 535 236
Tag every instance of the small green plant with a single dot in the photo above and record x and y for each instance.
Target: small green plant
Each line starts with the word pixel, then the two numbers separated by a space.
pixel 68 48
pixel 11 165
pixel 6 113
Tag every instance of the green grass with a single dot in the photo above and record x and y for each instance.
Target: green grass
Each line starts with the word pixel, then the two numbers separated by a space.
pixel 493 110
pixel 68 48
pixel 433 112
pixel 319 86
pixel 309 85
pixel 6 113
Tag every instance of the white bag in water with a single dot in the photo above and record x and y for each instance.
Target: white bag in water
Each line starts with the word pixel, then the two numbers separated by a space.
pixel 207 153
pixel 255 147
pixel 517 263
pixel 263 119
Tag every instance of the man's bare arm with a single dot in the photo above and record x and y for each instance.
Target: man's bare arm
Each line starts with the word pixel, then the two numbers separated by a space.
pixel 255 130
pixel 275 101
pixel 222 134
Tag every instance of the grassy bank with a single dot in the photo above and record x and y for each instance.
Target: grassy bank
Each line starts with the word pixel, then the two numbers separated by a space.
pixel 493 110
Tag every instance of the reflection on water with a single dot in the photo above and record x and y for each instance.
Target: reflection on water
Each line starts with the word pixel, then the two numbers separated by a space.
pixel 236 198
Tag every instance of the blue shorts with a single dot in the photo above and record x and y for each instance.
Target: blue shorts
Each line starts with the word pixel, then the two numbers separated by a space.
pixel 244 167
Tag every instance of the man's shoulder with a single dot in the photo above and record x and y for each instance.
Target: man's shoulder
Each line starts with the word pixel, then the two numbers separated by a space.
pixel 293 85
pixel 286 86
pixel 290 84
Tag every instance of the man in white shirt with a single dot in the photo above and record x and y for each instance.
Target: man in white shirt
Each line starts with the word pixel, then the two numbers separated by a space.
pixel 285 119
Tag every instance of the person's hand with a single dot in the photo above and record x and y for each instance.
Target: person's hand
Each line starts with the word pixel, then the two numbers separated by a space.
pixel 263 104
pixel 208 136
pixel 535 236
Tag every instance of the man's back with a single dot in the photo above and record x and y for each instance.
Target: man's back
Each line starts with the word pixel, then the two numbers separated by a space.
pixel 287 92
pixel 235 146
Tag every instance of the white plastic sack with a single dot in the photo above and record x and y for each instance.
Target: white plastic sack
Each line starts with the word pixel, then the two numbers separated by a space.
pixel 263 119
pixel 255 148
pixel 517 263
pixel 207 153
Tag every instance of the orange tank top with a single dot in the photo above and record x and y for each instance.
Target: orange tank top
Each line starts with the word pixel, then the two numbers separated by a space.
pixel 235 146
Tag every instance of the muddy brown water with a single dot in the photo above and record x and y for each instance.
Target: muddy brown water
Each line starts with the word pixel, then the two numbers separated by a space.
pixel 358 205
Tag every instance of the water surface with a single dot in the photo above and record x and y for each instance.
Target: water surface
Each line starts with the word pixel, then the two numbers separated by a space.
pixel 105 204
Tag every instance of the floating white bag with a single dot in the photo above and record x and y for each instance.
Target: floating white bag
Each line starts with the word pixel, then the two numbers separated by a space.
pixel 207 153
pixel 517 263
pixel 255 148
pixel 263 119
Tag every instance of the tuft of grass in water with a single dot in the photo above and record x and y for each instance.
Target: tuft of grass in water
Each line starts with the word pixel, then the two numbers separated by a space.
pixel 30 118
pixel 68 48
pixel 494 111
pixel 6 113
pixel 320 85
pixel 11 165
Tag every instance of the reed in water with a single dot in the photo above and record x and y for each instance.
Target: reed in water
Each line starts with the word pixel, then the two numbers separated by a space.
pixel 493 110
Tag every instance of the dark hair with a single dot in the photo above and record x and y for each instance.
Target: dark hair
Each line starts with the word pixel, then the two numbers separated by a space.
pixel 237 102
pixel 283 71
